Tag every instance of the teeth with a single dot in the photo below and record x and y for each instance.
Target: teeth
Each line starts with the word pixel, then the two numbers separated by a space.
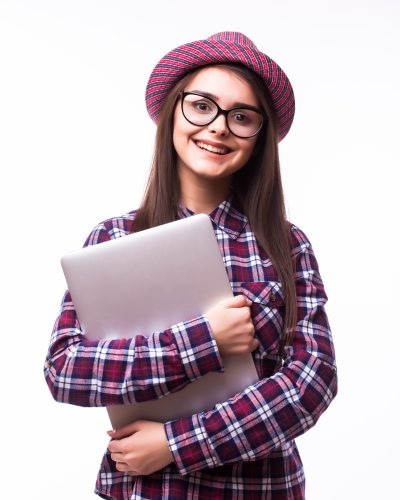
pixel 213 149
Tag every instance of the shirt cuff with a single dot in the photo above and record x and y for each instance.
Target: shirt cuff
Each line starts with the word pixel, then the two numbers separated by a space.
pixel 197 347
pixel 189 444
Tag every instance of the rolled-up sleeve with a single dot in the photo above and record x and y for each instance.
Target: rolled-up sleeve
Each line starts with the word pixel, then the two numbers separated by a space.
pixel 120 371
pixel 276 409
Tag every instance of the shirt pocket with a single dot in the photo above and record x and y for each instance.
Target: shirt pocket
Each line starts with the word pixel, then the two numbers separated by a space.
pixel 267 312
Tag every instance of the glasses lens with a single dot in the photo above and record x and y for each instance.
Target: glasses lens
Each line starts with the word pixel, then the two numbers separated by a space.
pixel 244 122
pixel 198 109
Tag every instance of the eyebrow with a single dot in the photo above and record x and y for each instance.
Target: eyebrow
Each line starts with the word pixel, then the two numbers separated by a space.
pixel 216 98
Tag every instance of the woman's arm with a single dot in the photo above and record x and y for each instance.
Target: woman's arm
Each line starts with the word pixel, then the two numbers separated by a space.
pixel 276 409
pixel 106 372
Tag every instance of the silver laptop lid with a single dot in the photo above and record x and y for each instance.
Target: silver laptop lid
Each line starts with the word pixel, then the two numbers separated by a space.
pixel 132 285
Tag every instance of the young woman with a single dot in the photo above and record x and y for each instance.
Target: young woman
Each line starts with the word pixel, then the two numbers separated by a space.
pixel 221 107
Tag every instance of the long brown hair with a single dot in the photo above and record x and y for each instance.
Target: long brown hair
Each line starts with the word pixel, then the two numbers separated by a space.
pixel 257 187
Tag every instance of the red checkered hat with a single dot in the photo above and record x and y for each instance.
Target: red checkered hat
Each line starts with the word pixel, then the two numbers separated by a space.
pixel 227 46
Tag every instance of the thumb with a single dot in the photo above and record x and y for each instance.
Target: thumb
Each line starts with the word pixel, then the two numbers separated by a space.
pixel 238 301
pixel 123 432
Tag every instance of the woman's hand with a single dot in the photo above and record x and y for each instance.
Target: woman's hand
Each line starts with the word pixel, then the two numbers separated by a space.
pixel 231 323
pixel 140 448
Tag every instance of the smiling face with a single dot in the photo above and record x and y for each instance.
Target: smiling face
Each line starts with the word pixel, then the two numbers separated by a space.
pixel 211 153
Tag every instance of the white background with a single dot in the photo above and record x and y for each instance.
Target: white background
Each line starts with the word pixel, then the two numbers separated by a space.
pixel 76 143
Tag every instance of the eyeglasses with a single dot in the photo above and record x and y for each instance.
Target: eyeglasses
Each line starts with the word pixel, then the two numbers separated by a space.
pixel 199 110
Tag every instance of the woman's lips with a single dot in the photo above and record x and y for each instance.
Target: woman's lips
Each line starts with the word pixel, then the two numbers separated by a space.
pixel 219 149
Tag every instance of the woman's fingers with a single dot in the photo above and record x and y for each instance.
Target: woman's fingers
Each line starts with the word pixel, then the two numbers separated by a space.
pixel 232 326
pixel 123 432
pixel 117 457
pixel 237 301
pixel 122 467
pixel 127 430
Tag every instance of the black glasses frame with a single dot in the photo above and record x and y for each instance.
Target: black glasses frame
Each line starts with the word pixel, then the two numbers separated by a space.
pixel 224 112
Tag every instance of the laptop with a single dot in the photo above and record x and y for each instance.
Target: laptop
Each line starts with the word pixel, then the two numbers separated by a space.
pixel 146 282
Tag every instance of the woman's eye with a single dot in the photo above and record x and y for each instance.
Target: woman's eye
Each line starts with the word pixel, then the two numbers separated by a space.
pixel 241 118
pixel 202 107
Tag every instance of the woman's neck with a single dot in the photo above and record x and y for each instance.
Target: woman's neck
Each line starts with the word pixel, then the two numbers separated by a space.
pixel 203 195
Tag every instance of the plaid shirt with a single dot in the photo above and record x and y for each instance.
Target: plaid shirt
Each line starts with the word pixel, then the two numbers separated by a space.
pixel 243 448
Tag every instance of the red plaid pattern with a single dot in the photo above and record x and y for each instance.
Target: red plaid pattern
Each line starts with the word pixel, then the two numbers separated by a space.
pixel 243 448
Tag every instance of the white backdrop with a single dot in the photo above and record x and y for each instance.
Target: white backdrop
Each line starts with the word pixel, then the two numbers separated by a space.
pixel 76 143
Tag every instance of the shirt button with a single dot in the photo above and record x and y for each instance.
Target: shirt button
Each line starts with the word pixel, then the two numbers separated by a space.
pixel 272 297
pixel 48 364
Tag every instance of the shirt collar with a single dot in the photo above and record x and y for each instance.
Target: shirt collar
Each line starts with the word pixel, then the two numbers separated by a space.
pixel 225 216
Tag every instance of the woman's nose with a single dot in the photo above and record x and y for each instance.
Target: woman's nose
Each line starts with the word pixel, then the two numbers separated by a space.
pixel 219 126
